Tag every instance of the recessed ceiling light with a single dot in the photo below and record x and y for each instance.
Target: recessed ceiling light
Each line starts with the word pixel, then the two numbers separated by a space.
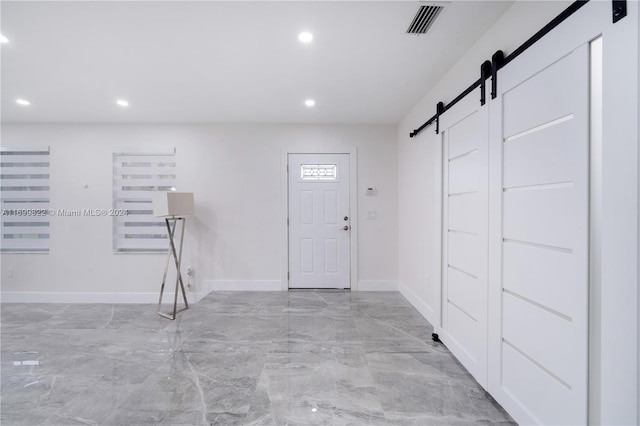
pixel 309 102
pixel 3 39
pixel 305 37
pixel 23 102
pixel 122 103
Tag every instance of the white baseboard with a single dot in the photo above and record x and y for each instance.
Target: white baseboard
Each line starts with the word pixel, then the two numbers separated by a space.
pixel 206 287
pixel 377 285
pixel 424 309
pixel 241 285
pixel 77 297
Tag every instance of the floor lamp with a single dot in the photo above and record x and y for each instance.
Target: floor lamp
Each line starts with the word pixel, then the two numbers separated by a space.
pixel 173 207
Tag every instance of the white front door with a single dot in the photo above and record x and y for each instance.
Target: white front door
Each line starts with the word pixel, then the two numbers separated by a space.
pixel 319 221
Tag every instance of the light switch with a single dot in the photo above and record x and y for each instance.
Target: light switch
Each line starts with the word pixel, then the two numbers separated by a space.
pixel 372 215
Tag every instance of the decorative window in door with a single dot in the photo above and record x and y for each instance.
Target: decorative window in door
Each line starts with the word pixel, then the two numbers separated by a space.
pixel 318 172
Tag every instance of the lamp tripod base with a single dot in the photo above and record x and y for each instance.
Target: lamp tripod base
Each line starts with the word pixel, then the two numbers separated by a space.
pixel 177 258
pixel 172 315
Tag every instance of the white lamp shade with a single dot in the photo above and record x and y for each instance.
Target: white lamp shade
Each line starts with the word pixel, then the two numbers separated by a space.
pixel 176 204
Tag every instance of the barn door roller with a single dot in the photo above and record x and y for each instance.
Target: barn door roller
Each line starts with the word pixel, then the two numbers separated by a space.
pixel 619 8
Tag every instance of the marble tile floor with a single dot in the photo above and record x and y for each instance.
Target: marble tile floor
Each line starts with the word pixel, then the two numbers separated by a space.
pixel 235 358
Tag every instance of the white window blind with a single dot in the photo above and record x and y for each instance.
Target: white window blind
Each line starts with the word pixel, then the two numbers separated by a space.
pixel 136 177
pixel 24 182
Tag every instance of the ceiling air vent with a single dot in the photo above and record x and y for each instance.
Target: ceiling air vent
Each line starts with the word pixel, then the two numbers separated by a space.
pixel 424 18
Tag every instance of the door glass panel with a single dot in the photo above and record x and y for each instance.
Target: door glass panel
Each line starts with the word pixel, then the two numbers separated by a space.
pixel 318 172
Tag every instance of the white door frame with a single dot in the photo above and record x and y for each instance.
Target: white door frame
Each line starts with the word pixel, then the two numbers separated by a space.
pixel 353 207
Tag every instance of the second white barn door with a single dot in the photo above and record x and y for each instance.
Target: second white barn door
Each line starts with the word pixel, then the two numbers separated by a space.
pixel 539 250
pixel 464 234
pixel 319 221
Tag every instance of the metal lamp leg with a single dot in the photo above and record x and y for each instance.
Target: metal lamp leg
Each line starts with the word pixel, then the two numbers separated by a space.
pixel 177 259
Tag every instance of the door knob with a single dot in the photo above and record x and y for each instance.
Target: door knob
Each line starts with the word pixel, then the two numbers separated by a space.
pixel 345 228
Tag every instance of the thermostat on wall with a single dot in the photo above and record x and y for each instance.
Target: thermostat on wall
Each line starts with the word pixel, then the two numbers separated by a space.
pixel 370 190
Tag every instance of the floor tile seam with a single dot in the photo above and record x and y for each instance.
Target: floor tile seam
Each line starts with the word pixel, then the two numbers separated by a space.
pixel 397 352
pixel 401 344
pixel 385 320
pixel 336 341
pixel 220 351
pixel 440 419
pixel 398 340
pixel 55 376
pixel 372 370
pixel 323 313
pixel 221 377
pixel 215 315
pixel 388 312
pixel 435 379
pixel 60 413
pixel 390 318
pixel 239 308
pixel 317 342
pixel 260 377
pixel 429 376
pixel 18 323
pixel 247 342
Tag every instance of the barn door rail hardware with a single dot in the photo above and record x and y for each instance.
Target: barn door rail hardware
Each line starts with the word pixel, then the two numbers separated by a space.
pixel 441 108
pixel 499 61
pixel 485 72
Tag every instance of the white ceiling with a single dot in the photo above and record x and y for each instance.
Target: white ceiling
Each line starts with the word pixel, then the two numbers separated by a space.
pixel 235 61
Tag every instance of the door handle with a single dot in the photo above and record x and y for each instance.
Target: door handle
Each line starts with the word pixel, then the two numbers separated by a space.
pixel 345 228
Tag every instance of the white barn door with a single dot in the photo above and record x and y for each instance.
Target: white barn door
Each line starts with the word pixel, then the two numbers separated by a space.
pixel 539 258
pixel 319 221
pixel 464 234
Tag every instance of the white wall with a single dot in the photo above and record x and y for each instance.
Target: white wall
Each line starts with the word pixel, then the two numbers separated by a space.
pixel 236 237
pixel 420 193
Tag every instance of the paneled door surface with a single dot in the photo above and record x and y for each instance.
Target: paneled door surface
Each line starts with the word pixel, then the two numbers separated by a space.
pixel 543 193
pixel 319 221
pixel 464 235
